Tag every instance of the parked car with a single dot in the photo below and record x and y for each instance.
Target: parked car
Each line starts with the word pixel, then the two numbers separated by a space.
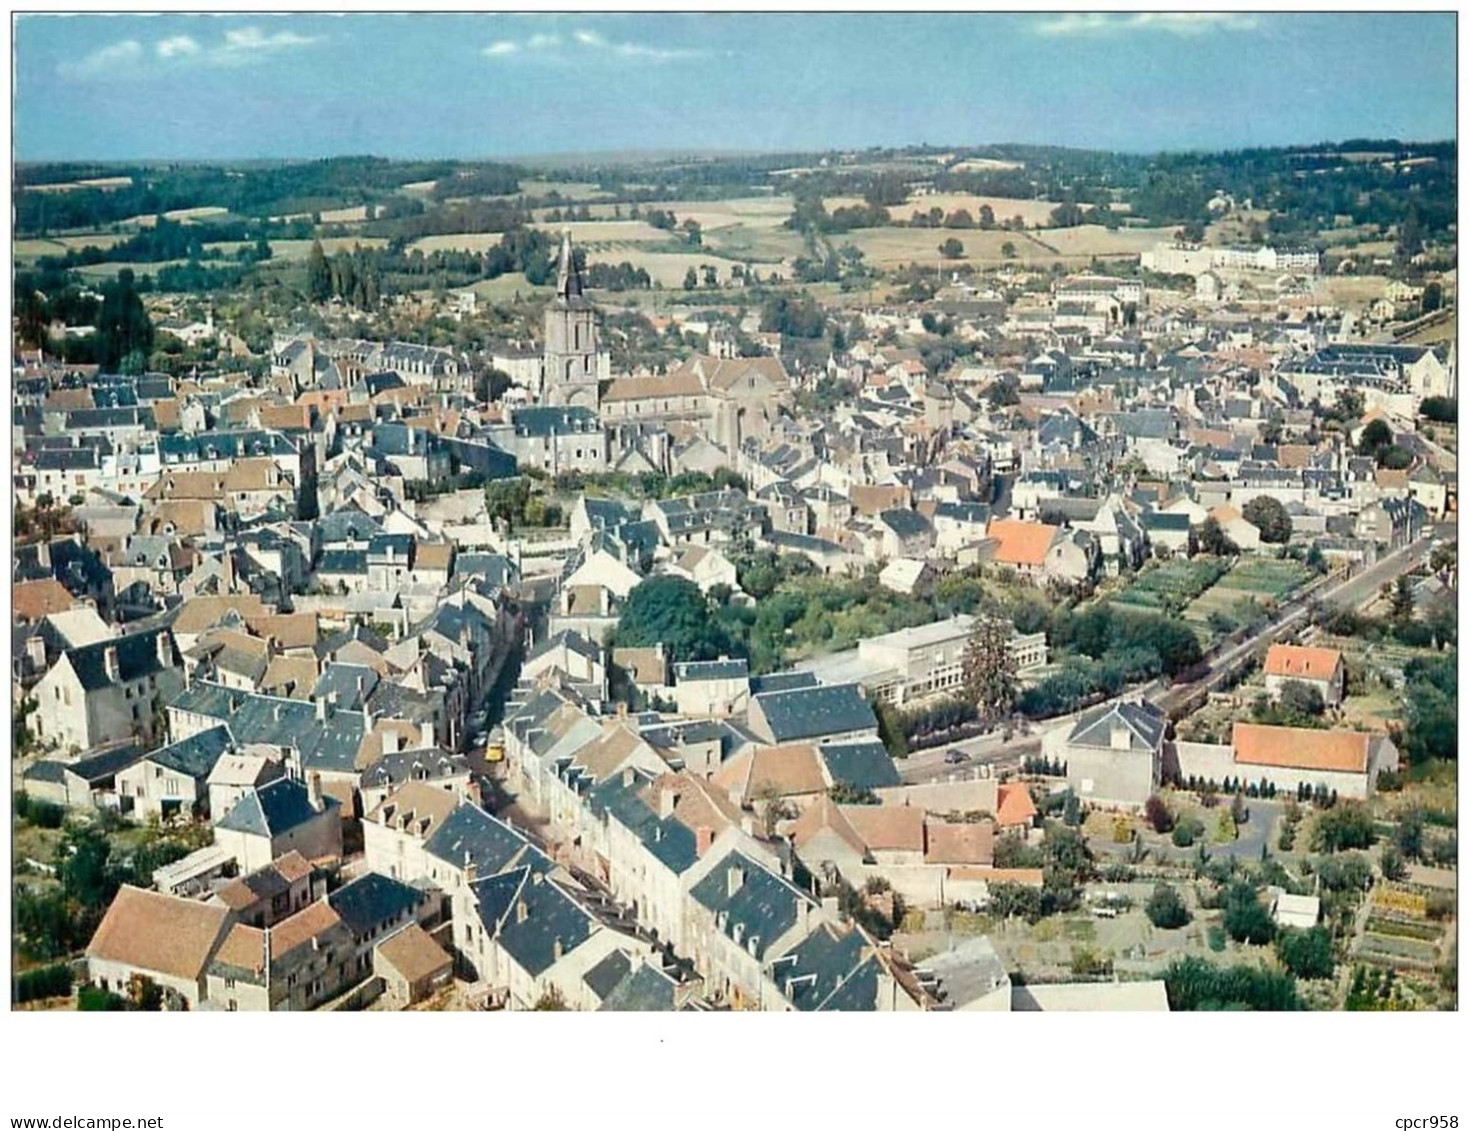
pixel 955 756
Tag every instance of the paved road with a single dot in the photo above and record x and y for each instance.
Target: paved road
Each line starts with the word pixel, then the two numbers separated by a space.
pixel 1353 592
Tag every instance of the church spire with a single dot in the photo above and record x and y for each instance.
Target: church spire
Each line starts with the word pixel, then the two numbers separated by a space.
pixel 568 278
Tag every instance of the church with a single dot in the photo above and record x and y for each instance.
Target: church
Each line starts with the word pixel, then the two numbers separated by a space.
pixel 712 404
pixel 572 370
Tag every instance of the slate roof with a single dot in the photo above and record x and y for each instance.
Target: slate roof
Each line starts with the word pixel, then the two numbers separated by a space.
pixel 196 755
pixel 605 975
pixel 551 918
pixel 351 683
pixel 812 712
pixel 645 990
pixel 862 765
pixel 668 840
pixel 469 835
pixel 572 640
pixel 782 681
pixel 762 908
pixel 828 971
pixel 1145 724
pixel 705 670
pixel 373 900
pixel 137 658
pixel 273 810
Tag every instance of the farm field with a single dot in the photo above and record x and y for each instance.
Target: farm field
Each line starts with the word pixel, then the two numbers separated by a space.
pixel 1093 239
pixel 344 215
pixel 602 231
pixel 666 267
pixel 102 271
pixel 467 241
pixel 506 287
pixel 568 190
pixel 181 215
pixel 31 250
pixel 291 251
pixel 1035 213
pixel 893 247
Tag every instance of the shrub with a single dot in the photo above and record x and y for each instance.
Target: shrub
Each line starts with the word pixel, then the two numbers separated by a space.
pixel 1165 908
pixel 1306 954
pixel 1346 826
pixel 1158 815
pixel 1197 984
pixel 1246 919
pixel 43 982
pixel 97 1000
pixel 1188 830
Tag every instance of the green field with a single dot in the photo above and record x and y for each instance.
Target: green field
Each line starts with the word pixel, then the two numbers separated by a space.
pixel 1170 586
pixel 1266 577
pixel 1239 592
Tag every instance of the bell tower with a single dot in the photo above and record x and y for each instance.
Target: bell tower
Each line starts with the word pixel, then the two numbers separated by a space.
pixel 571 338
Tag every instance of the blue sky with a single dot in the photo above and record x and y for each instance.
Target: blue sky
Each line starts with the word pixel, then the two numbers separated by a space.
pixel 465 85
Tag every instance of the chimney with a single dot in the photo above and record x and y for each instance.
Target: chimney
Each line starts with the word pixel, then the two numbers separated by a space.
pixel 36 652
pixel 521 911
pixel 165 650
pixel 735 879
pixel 109 662
pixel 392 742
pixel 703 839
pixel 557 950
pixel 629 775
pixel 366 721
pixel 321 713
pixel 471 872
pixel 315 787
pixel 747 824
pixel 621 710
pixel 43 555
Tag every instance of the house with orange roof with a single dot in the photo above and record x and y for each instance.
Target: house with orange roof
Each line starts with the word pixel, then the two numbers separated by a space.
pixel 1022 546
pixel 1321 668
pixel 163 938
pixel 1346 761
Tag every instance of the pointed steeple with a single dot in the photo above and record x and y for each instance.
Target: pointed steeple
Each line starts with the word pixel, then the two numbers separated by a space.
pixel 568 278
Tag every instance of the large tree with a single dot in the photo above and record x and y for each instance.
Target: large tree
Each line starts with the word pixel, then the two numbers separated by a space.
pixel 989 667
pixel 124 331
pixel 672 611
pixel 1269 514
pixel 318 274
pixel 1213 540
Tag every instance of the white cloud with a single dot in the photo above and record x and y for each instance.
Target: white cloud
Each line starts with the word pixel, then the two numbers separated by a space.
pixel 129 58
pixel 103 61
pixel 632 50
pixel 247 43
pixel 177 46
pixel 548 46
pixel 1170 23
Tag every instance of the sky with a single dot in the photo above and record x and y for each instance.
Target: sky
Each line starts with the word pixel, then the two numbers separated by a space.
pixel 256 85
